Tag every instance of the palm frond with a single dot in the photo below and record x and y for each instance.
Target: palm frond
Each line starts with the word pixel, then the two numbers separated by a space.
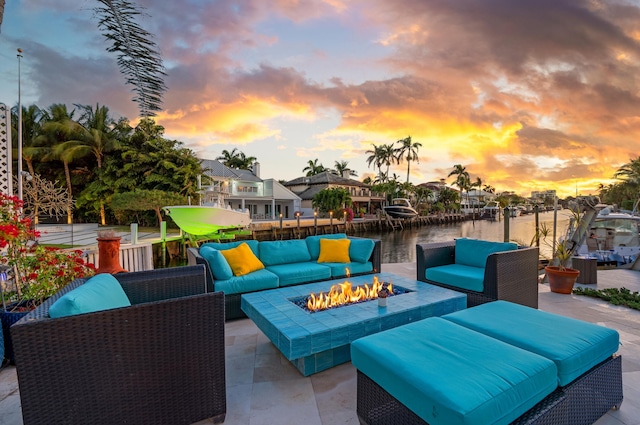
pixel 139 58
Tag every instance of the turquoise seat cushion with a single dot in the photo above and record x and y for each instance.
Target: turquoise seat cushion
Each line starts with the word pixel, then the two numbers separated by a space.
pixel 273 253
pixel 100 292
pixel 450 375
pixel 254 281
pixel 217 263
pixel 360 250
pixel 293 274
pixel 313 243
pixel 573 345
pixel 458 275
pixel 339 269
pixel 474 252
pixel 221 246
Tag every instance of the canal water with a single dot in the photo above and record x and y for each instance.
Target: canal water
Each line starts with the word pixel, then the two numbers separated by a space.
pixel 399 246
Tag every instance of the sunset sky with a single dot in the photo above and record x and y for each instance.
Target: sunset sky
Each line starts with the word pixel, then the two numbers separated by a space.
pixel 527 94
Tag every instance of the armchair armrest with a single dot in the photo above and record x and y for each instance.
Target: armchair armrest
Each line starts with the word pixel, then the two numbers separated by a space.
pixel 513 276
pixel 433 255
pixel 194 258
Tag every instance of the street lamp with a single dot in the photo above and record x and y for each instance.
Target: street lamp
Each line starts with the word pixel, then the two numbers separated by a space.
pixel 19 129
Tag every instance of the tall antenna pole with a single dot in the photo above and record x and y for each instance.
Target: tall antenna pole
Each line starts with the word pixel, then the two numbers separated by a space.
pixel 19 129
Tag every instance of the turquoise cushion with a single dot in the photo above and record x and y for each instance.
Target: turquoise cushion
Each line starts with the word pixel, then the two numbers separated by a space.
pixel 464 277
pixel 338 269
pixel 451 375
pixel 474 252
pixel 217 263
pixel 293 274
pixel 254 281
pixel 313 243
pixel 283 252
pixel 573 345
pixel 221 246
pixel 100 292
pixel 360 250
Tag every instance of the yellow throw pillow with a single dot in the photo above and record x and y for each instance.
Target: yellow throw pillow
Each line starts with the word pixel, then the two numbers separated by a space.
pixel 242 260
pixel 334 251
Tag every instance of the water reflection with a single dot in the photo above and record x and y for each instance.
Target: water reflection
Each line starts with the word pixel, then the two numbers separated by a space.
pixel 400 246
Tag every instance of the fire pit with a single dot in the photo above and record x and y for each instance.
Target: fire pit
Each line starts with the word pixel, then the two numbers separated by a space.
pixel 342 294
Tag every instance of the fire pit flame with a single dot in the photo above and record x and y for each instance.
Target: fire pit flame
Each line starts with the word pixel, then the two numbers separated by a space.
pixel 344 293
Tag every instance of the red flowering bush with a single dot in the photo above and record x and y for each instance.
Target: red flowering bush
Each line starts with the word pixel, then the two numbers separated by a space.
pixel 37 271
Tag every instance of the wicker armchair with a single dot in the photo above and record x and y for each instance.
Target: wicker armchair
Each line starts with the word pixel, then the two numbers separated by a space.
pixel 509 275
pixel 159 361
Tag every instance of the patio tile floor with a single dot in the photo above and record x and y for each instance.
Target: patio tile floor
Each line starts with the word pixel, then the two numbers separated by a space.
pixel 263 387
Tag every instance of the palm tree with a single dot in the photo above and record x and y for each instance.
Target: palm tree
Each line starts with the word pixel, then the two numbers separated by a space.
pixel 57 130
pixel 243 162
pixel 462 177
pixel 93 135
pixel 629 172
pixel 32 118
pixel 375 158
pixel 314 168
pixel 388 157
pixel 488 188
pixel 229 158
pixel 410 149
pixel 342 166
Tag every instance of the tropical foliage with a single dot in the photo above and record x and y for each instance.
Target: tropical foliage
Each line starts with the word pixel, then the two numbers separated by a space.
pixel 236 159
pixel 98 156
pixel 331 199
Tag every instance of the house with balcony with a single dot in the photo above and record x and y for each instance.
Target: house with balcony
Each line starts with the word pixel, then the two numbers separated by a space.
pixel 362 197
pixel 265 199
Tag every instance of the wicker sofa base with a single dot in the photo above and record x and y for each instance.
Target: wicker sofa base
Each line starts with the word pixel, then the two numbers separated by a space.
pixel 582 402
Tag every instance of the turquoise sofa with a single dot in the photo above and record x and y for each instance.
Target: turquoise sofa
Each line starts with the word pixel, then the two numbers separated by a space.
pixel 497 363
pixel 286 263
pixel 484 270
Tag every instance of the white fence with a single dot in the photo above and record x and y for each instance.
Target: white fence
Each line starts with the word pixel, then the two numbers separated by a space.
pixel 133 258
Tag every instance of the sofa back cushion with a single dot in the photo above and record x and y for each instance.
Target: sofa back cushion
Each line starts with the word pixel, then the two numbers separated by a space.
pixel 334 251
pixel 360 250
pixel 221 246
pixel 242 260
pixel 217 263
pixel 474 252
pixel 313 243
pixel 100 292
pixel 273 253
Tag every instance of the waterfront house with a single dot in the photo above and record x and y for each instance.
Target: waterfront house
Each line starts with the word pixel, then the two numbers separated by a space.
pixel 363 198
pixel 266 199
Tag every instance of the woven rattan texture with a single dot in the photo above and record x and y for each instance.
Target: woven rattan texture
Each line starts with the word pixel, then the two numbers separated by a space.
pixel 510 275
pixel 156 362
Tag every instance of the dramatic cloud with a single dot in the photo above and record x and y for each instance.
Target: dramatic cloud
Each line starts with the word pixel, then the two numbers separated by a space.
pixel 527 94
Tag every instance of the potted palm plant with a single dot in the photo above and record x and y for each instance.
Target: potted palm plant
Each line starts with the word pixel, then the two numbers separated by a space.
pixel 561 276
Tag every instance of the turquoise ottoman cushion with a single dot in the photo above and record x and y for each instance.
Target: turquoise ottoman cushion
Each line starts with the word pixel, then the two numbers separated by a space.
pixel 313 243
pixel 474 252
pixel 450 375
pixel 221 246
pixel 338 269
pixel 283 252
pixel 573 345
pixel 458 275
pixel 292 274
pixel 254 281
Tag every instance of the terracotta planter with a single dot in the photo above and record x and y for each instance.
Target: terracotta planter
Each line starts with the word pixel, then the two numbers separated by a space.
pixel 109 255
pixel 561 281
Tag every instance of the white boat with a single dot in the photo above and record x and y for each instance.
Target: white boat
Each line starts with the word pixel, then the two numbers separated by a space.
pixel 401 208
pixel 613 238
pixel 207 220
pixel 491 211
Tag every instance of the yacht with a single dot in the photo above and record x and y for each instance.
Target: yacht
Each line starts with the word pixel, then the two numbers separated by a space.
pixel 401 208
pixel 613 238
pixel 491 211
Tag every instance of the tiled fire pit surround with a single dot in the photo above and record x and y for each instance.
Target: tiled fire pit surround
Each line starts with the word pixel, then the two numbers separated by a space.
pixel 317 341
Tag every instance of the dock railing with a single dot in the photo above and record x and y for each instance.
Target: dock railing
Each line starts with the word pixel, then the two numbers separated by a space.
pixel 133 257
